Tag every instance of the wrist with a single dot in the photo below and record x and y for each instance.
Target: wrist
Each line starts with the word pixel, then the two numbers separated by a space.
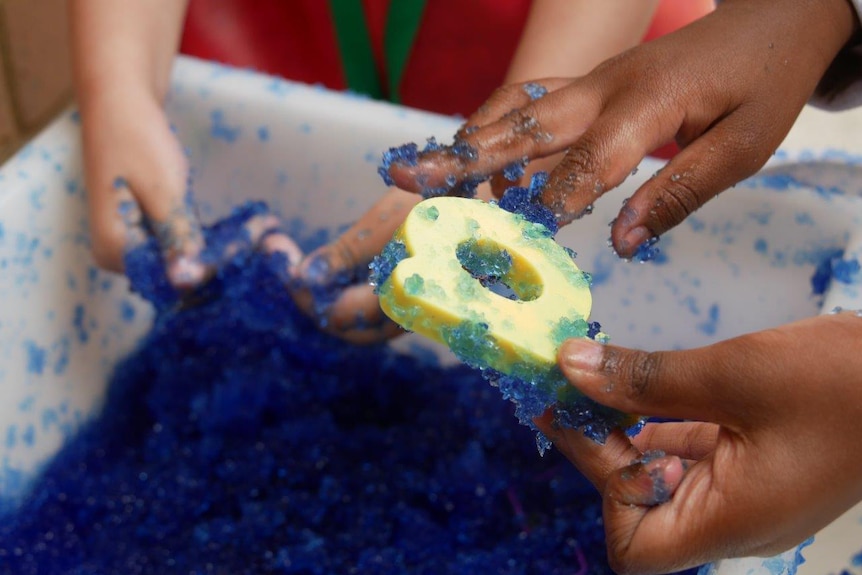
pixel 124 96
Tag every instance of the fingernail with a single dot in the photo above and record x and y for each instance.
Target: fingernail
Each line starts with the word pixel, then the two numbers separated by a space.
pixel 186 272
pixel 582 355
pixel 634 238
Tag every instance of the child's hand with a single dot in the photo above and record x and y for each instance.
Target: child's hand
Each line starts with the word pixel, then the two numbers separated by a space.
pixel 132 157
pixel 331 283
pixel 727 87
pixel 771 453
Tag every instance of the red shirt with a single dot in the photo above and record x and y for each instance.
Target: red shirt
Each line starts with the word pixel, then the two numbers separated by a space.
pixel 461 52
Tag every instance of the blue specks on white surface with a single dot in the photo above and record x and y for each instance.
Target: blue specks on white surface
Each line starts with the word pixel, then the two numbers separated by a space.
pixel 710 326
pixel 761 216
pixel 281 178
pixel 35 357
pixel 602 267
pixel 304 128
pixel 761 246
pixel 279 87
pixel 27 403
pixel 804 219
pixel 263 134
pixel 221 130
pixel 846 271
pixel 80 329
pixel 831 266
pixel 127 311
pixel 61 351
pixel 28 436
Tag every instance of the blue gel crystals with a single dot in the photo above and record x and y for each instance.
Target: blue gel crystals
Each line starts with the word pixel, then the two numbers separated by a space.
pixel 593 329
pixel 534 90
pixel 238 438
pixel 431 145
pixel 526 201
pixel 482 261
pixel 146 272
pixel 647 251
pixel 465 151
pixel 381 266
pixel 514 171
pixel 406 154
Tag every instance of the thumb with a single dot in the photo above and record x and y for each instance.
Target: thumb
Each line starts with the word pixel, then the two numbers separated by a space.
pixel 673 384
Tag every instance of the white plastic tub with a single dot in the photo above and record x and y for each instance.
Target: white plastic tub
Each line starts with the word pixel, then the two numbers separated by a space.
pixel 742 263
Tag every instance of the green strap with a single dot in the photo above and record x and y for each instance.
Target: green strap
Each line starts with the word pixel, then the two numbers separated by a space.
pixel 402 25
pixel 354 44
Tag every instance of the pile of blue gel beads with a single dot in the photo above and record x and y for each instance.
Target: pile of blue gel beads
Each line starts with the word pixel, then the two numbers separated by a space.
pixel 240 439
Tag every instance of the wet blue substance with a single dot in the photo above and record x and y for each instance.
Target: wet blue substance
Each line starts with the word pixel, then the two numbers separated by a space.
pixel 239 439
pixel 526 201
pixel 407 154
pixel 484 263
pixel 648 251
pixel 382 266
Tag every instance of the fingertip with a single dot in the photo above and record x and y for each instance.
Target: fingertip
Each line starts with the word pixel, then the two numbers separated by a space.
pixel 649 481
pixel 581 360
pixel 630 243
pixel 278 243
pixel 186 272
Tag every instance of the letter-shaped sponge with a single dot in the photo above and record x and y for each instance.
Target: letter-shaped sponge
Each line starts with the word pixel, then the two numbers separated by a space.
pixel 435 279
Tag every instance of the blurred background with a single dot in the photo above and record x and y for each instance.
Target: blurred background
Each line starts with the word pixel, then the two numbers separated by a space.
pixel 35 68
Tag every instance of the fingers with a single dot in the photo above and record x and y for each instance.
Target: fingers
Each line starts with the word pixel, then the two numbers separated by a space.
pixel 508 98
pixel 129 228
pixel 660 515
pixel 178 233
pixel 596 461
pixel 537 129
pixel 601 159
pixel 330 284
pixel 650 480
pixel 693 384
pixel 687 440
pixel 727 153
